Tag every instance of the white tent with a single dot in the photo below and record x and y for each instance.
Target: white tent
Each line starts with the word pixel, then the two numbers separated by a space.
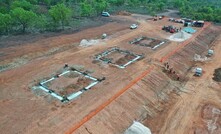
pixel 137 128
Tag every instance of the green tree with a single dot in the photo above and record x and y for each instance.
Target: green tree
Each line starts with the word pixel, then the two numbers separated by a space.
pixel 100 5
pixel 23 4
pixel 161 6
pixel 60 14
pixel 133 3
pixel 5 22
pixel 117 2
pixel 86 9
pixel 41 23
pixel 23 17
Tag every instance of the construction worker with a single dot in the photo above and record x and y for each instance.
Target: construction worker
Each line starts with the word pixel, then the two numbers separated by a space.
pixel 57 75
pixel 66 65
pixel 167 67
pixel 171 70
pixel 178 78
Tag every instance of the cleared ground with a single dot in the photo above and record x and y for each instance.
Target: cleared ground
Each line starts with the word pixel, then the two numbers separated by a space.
pixel 162 104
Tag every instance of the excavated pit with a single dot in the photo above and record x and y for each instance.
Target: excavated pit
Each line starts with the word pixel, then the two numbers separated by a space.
pixel 65 86
pixel 183 60
pixel 68 85
pixel 147 42
pixel 147 99
pixel 118 57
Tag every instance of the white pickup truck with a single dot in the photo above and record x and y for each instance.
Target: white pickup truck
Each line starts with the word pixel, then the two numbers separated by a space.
pixel 133 26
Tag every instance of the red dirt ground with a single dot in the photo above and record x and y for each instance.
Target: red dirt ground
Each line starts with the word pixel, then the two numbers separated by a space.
pixel 177 104
pixel 65 86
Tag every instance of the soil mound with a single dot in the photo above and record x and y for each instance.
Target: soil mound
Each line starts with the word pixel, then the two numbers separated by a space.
pixel 180 36
pixel 86 43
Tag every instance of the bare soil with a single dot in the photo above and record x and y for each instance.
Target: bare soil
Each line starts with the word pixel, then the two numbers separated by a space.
pixel 154 43
pixel 81 83
pixel 148 42
pixel 65 86
pixel 145 41
pixel 163 105
pixel 125 59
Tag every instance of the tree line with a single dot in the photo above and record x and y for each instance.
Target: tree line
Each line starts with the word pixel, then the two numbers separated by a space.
pixel 41 15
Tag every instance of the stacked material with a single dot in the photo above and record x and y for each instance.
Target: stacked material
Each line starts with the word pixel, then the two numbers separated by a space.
pixel 137 128
pixel 201 59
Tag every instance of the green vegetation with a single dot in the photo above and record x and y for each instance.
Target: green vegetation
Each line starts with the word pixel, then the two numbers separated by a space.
pixel 209 10
pixel 60 14
pixel 43 15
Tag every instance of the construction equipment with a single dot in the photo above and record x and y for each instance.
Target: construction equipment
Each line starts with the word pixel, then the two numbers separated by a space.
pixel 210 52
pixel 170 29
pixel 155 19
pixel 179 21
pixel 104 35
pixel 171 19
pixel 187 24
pixel 198 71
pixel 198 23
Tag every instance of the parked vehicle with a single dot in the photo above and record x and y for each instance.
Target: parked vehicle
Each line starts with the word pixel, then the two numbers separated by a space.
pixel 171 19
pixel 198 71
pixel 179 21
pixel 198 23
pixel 133 26
pixel 105 14
pixel 170 29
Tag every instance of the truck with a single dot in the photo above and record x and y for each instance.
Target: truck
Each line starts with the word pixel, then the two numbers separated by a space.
pixel 198 23
pixel 198 71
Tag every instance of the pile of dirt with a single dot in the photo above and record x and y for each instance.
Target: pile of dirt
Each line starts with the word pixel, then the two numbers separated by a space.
pixel 86 43
pixel 217 75
pixel 180 36
pixel 124 13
